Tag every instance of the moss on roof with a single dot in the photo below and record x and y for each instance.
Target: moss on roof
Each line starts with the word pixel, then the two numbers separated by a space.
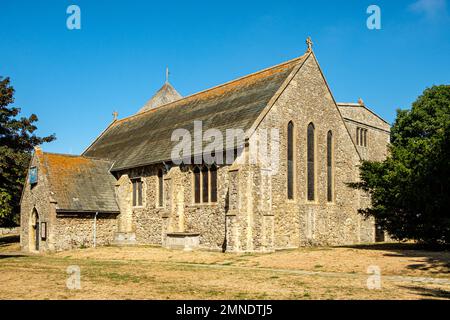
pixel 145 138
pixel 80 184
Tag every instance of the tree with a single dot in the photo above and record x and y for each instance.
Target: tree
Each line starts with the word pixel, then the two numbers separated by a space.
pixel 17 140
pixel 410 189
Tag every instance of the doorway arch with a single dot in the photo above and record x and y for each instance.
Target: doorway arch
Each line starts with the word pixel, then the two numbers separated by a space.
pixel 34 231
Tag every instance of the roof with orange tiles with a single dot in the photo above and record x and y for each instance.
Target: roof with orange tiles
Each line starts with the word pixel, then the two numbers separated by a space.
pixel 80 184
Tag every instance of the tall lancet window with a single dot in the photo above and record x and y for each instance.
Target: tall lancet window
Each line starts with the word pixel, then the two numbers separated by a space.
pixel 160 188
pixel 213 183
pixel 357 136
pixel 311 146
pixel 197 185
pixel 205 184
pixel 330 166
pixel 290 161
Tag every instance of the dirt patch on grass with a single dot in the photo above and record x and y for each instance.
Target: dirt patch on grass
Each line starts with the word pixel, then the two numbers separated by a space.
pixel 157 273
pixel 404 262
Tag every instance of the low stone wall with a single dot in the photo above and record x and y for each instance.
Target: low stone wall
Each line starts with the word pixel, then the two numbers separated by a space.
pixel 9 231
pixel 77 231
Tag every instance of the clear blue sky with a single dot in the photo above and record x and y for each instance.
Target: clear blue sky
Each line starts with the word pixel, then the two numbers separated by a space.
pixel 73 80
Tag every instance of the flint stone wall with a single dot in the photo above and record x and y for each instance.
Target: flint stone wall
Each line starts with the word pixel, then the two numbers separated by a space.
pixel 9 231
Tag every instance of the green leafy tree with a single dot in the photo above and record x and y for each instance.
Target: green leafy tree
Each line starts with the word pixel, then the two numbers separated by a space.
pixel 17 140
pixel 410 189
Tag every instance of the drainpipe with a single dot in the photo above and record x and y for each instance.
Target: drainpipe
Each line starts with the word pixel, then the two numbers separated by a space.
pixel 95 229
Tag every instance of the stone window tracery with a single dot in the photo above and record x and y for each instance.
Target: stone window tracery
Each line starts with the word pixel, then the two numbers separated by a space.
pixel 205 184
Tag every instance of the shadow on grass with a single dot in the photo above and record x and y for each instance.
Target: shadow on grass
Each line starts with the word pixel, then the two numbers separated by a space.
pixel 435 261
pixel 387 246
pixel 6 255
pixel 429 293
pixel 7 240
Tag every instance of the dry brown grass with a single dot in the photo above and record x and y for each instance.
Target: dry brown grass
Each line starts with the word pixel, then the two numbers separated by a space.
pixel 157 273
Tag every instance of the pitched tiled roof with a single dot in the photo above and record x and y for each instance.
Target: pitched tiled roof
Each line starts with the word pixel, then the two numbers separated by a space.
pixel 165 95
pixel 80 184
pixel 145 138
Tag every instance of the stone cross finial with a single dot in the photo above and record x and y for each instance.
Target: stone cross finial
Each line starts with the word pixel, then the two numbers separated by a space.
pixel 115 114
pixel 309 43
pixel 167 74
pixel 360 102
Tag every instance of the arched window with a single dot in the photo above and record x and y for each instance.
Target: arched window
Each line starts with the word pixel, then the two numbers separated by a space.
pixel 205 184
pixel 310 162
pixel 330 166
pixel 213 183
pixel 160 188
pixel 290 161
pixel 196 185
pixel 34 226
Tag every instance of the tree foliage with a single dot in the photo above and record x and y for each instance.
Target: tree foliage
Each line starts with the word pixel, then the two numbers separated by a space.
pixel 410 189
pixel 17 139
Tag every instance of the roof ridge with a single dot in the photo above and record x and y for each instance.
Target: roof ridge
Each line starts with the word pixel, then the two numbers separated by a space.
pixel 348 104
pixel 97 159
pixel 61 154
pixel 76 156
pixel 364 106
pixel 217 86
pixel 100 135
pixel 278 93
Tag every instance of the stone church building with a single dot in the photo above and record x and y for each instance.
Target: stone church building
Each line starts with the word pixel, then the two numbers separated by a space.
pixel 126 188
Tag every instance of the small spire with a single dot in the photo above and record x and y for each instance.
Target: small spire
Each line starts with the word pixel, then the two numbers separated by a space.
pixel 167 74
pixel 360 102
pixel 309 43
pixel 115 114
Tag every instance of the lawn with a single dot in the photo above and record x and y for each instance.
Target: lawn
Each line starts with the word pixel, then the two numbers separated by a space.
pixel 146 272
